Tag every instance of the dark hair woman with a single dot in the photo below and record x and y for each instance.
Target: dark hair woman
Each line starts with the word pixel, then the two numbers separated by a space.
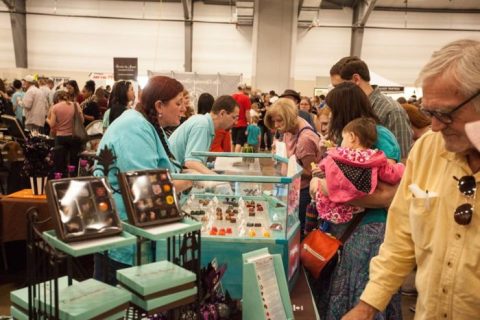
pixel 89 106
pixel 73 91
pixel 341 290
pixel 205 103
pixel 140 132
pixel 121 96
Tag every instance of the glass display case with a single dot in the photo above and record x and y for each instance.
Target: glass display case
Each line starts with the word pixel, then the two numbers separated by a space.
pixel 250 203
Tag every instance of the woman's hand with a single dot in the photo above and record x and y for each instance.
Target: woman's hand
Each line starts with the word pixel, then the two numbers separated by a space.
pixel 380 198
pixel 314 187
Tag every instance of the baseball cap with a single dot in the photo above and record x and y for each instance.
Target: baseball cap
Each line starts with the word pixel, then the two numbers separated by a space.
pixel 29 78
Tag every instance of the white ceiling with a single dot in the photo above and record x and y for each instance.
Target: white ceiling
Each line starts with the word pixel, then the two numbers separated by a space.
pixel 430 4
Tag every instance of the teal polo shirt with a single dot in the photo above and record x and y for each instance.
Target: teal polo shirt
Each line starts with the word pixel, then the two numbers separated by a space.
pixel 195 134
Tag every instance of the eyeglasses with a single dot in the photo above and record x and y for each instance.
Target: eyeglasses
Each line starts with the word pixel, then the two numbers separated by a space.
pixel 468 187
pixel 446 117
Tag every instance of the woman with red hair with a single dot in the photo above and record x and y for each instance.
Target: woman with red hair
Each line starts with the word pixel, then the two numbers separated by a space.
pixel 138 141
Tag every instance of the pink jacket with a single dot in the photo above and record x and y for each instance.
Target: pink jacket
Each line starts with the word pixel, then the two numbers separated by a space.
pixel 352 173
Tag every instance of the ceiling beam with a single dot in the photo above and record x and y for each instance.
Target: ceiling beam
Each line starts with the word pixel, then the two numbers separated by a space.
pixel 186 9
pixel 367 10
pixel 18 20
pixel 428 10
pixel 300 5
pixel 9 4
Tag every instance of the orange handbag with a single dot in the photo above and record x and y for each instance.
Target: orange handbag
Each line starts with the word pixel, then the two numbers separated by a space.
pixel 316 250
pixel 319 248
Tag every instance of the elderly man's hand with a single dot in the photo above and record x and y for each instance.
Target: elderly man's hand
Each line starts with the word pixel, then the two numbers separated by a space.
pixel 362 311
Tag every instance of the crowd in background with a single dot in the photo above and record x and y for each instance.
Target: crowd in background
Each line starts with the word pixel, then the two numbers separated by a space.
pixel 354 122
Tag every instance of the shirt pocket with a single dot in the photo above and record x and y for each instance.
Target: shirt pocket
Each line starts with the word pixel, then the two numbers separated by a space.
pixel 422 221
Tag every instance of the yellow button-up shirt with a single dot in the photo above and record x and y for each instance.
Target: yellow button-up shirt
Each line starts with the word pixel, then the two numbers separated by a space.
pixel 423 231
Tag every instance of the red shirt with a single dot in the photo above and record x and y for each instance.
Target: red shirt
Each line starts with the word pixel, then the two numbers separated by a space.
pixel 244 104
pixel 222 141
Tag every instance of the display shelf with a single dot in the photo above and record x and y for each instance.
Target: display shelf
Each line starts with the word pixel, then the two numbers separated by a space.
pixel 163 232
pixel 50 296
pixel 82 248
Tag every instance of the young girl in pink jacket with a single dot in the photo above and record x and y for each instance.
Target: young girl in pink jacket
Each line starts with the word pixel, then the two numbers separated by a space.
pixel 352 171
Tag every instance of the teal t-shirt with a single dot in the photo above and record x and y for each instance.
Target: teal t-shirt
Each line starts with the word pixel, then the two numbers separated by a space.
pixel 137 146
pixel 386 142
pixel 16 98
pixel 195 134
pixel 253 132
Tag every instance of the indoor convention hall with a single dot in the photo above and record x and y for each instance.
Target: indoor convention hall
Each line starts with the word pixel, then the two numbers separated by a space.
pixel 239 159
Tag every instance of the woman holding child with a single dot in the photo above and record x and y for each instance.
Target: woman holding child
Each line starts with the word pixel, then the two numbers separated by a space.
pixel 339 291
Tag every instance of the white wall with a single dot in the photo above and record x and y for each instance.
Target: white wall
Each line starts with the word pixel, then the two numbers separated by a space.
pixel 7 53
pixel 400 54
pixel 79 45
pixel 222 48
pixel 396 54
pixel 319 48
pixel 219 46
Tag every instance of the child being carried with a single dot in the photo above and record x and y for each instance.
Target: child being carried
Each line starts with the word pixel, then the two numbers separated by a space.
pixel 351 171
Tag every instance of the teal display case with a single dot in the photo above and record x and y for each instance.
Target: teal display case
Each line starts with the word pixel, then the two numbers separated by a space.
pixel 250 203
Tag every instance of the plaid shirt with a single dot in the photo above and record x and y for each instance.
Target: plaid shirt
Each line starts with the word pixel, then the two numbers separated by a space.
pixel 395 118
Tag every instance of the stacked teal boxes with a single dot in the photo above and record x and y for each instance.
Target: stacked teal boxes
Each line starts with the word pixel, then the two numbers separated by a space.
pixel 89 299
pixel 159 286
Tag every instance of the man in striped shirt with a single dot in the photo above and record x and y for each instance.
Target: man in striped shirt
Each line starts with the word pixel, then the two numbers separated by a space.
pixel 390 113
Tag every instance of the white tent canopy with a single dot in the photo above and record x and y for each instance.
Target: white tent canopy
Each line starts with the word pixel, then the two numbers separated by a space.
pixel 384 83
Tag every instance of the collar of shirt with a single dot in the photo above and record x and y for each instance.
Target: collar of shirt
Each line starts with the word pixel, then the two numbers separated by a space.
pixel 374 95
pixel 210 124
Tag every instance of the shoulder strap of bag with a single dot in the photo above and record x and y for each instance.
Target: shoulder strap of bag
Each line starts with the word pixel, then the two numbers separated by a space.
pixel 307 128
pixel 355 222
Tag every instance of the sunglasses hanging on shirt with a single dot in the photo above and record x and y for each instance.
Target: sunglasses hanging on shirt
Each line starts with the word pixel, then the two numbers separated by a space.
pixel 468 188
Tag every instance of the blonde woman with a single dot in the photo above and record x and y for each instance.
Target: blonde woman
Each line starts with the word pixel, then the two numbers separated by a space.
pixel 301 140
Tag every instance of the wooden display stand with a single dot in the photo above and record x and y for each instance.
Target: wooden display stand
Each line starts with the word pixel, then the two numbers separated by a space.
pixel 265 289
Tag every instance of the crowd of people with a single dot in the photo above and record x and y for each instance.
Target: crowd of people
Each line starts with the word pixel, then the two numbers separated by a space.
pixel 360 142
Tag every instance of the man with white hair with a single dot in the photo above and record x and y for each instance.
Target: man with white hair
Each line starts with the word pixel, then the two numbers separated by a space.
pixel 35 105
pixel 432 221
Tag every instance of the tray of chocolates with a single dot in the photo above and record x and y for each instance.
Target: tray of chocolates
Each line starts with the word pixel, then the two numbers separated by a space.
pixel 83 208
pixel 149 197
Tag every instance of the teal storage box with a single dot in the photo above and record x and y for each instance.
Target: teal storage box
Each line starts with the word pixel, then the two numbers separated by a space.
pixel 155 278
pixel 17 314
pixel 159 285
pixel 19 298
pixel 90 299
pixel 167 302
